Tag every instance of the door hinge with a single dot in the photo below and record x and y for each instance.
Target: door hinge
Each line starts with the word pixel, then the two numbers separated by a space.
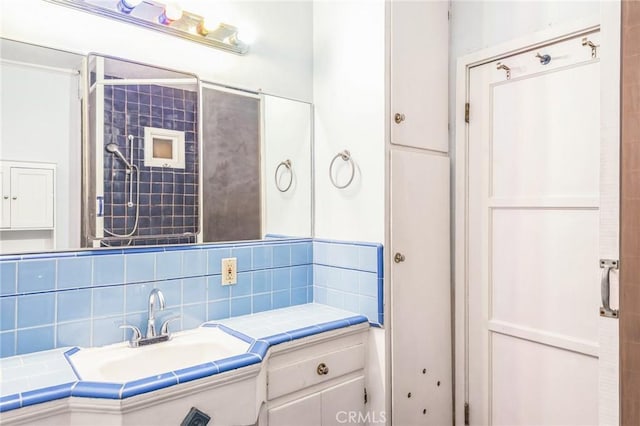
pixel 366 397
pixel 466 413
pixel 466 112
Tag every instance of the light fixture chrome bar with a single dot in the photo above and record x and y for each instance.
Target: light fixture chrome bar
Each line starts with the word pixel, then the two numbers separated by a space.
pixel 223 38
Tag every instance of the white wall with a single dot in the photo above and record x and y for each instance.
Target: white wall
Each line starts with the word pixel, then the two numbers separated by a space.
pixel 41 123
pixel 349 97
pixel 280 60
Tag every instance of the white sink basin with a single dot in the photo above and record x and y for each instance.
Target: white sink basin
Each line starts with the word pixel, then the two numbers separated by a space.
pixel 119 363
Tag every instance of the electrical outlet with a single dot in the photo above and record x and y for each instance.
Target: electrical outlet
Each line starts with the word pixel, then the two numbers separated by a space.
pixel 229 271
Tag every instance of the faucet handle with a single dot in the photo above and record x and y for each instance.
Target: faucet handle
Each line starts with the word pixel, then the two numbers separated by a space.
pixel 164 329
pixel 137 335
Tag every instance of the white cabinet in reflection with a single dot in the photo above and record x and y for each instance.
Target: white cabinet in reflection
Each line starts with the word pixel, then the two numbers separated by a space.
pixel 28 191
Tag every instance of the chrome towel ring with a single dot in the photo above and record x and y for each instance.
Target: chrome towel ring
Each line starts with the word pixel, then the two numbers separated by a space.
pixel 346 156
pixel 287 164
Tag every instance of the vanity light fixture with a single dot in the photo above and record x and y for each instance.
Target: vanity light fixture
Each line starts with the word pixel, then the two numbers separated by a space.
pixel 126 6
pixel 166 18
pixel 171 12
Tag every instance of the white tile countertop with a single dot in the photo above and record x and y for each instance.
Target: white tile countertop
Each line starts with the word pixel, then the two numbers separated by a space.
pixel 48 375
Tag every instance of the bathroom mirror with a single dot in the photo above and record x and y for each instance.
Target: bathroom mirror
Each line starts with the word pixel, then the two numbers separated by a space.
pixel 208 164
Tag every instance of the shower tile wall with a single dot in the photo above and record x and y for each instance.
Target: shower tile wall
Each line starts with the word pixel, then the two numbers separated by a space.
pixel 168 197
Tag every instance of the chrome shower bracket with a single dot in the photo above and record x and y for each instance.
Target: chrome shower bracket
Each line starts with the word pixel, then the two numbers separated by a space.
pixel 605 288
pixel 501 66
pixel 594 47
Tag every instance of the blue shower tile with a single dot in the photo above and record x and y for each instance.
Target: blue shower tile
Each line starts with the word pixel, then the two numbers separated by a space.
pixel 321 275
pixel 194 262
pixel 243 256
pixel 262 256
pixel 7 344
pixel 218 310
pixel 368 258
pixel 380 261
pixel 300 253
pixel 168 264
pixel 7 278
pixel 106 331
pixel 281 255
pixel 194 290
pixel 298 296
pixel 281 299
pixel 108 270
pixel 136 319
pixel 140 267
pixel 137 297
pixel 36 309
pixel 214 259
pixel 74 272
pixel 35 339
pixel 310 294
pixel 36 275
pixel 8 313
pixel 368 284
pixel 74 334
pixel 194 315
pixel 240 306
pixel 261 302
pixel 108 301
pixel 281 279
pixel 243 287
pixel 299 276
pixel 172 291
pixel 320 295
pixel 261 281
pixel 215 289
pixel 74 305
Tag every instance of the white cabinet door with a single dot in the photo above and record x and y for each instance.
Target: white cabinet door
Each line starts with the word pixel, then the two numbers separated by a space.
pixel 301 412
pixel 344 404
pixel 31 198
pixel 419 74
pixel 5 201
pixel 420 281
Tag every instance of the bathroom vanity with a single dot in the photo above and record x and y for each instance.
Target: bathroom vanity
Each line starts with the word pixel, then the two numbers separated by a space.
pixel 312 373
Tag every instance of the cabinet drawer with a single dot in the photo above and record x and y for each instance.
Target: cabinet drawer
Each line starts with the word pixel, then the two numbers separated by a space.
pixel 299 375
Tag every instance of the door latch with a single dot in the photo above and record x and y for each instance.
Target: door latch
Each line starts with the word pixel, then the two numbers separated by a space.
pixel 398 258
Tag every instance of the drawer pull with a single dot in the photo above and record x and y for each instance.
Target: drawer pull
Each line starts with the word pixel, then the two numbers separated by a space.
pixel 322 369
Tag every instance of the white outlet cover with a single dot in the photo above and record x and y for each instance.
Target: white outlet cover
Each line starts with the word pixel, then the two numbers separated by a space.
pixel 229 267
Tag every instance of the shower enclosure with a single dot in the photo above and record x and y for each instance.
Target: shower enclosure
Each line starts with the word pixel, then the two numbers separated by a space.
pixel 143 144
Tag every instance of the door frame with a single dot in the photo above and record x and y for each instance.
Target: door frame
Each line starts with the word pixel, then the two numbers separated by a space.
pixel 609 25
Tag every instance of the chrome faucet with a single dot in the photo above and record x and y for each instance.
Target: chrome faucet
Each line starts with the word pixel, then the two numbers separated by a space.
pixel 155 294
pixel 156 303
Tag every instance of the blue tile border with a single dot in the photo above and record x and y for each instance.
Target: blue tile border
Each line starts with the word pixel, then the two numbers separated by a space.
pixel 103 390
pixel 46 394
pixel 10 402
pixel 148 384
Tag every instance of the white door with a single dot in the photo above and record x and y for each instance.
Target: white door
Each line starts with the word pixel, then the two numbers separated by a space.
pixel 533 231
pixel 31 198
pixel 421 289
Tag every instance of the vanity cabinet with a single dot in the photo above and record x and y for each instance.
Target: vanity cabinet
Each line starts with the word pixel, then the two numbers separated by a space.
pixel 27 195
pixel 320 383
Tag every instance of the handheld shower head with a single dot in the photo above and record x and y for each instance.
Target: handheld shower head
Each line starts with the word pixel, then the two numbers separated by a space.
pixel 113 148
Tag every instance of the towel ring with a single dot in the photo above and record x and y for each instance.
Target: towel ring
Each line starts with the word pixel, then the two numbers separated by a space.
pixel 286 163
pixel 346 156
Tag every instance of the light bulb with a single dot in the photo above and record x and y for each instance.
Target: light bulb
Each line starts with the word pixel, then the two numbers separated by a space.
pixel 172 12
pixel 126 6
pixel 208 24
pixel 246 35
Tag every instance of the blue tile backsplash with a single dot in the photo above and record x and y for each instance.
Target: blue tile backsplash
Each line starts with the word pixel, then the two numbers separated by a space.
pixel 81 298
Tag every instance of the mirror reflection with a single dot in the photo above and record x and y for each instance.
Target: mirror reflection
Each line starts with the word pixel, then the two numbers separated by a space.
pixel 167 159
